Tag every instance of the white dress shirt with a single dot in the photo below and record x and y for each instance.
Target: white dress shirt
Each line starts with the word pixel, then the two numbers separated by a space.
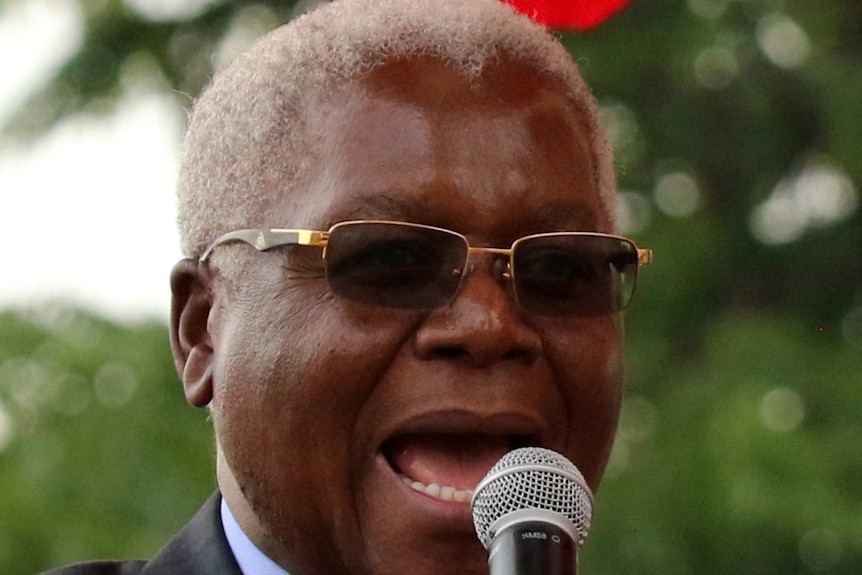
pixel 252 560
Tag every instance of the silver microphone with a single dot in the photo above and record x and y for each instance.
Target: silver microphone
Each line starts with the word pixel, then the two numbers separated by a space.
pixel 531 512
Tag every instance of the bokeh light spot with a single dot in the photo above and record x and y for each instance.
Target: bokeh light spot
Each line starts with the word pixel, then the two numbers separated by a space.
pixel 114 384
pixel 777 221
pixel 167 10
pixel 817 196
pixel 783 41
pixel 709 9
pixel 634 213
pixel 782 410
pixel 624 133
pixel 715 67
pixel 677 194
pixel 30 383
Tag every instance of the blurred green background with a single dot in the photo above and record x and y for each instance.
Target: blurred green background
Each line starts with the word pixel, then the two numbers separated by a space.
pixel 738 130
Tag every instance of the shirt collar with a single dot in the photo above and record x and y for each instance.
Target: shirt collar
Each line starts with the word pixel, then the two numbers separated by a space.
pixel 251 560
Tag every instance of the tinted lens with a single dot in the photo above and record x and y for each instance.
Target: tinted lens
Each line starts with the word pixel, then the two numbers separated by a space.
pixel 394 265
pixel 569 274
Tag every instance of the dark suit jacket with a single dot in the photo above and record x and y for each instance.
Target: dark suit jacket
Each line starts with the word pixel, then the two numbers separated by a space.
pixel 199 549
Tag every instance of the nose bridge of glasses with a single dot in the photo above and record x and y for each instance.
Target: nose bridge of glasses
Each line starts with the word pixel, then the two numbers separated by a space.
pixel 501 261
pixel 498 264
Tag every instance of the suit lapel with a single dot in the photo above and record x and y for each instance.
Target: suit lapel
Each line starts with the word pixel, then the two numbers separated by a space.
pixel 199 549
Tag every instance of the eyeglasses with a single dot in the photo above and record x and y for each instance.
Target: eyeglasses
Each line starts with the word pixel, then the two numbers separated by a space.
pixel 413 266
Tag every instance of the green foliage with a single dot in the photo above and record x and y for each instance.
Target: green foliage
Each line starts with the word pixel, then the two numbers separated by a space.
pixel 738 448
pixel 100 456
pixel 744 459
pixel 739 443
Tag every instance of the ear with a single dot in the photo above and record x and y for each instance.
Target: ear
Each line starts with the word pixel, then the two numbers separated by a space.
pixel 191 343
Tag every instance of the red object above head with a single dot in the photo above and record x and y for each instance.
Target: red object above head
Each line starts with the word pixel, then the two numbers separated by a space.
pixel 569 14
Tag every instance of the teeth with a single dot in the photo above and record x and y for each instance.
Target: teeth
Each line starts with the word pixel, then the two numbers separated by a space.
pixel 444 493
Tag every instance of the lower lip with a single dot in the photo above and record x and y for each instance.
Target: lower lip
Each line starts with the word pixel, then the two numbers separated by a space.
pixel 457 513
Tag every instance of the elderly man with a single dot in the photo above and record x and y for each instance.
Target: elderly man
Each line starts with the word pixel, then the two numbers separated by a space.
pixel 396 217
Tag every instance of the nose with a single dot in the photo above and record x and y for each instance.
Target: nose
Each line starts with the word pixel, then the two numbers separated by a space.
pixel 480 326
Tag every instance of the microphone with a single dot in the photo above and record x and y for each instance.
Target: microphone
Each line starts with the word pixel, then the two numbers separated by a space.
pixel 531 512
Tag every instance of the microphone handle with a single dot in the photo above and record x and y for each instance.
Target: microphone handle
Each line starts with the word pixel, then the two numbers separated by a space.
pixel 532 548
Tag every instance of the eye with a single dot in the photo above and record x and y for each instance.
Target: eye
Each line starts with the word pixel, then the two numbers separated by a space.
pixel 574 274
pixel 556 265
pixel 395 254
pixel 391 260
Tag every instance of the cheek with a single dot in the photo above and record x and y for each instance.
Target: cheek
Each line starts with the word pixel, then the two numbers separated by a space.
pixel 590 372
pixel 291 385
pixel 294 379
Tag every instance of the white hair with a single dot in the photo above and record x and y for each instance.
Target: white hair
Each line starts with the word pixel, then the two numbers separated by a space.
pixel 247 132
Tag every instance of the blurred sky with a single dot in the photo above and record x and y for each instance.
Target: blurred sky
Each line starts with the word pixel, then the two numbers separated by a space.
pixel 86 212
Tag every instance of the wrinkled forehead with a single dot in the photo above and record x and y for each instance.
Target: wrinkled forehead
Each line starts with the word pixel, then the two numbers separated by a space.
pixel 414 129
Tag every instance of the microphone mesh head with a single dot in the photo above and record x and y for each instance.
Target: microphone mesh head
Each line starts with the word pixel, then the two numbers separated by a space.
pixel 532 478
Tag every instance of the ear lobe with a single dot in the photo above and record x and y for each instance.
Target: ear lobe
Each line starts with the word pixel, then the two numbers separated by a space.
pixel 191 343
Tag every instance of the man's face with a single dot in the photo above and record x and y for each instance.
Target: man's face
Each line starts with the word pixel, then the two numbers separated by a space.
pixel 325 409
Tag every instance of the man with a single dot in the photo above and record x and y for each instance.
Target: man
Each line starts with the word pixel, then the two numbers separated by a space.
pixel 364 372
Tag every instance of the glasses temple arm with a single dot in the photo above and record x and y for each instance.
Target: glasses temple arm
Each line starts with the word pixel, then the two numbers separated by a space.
pixel 262 239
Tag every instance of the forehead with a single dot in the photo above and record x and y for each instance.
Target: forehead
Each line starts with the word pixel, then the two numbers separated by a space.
pixel 418 140
pixel 427 82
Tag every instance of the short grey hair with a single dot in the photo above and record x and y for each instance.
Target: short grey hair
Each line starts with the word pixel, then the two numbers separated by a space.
pixel 247 133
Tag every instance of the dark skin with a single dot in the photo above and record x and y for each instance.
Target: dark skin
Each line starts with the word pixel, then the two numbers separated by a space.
pixel 311 393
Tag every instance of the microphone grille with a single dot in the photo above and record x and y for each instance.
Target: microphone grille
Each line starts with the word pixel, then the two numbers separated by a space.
pixel 532 478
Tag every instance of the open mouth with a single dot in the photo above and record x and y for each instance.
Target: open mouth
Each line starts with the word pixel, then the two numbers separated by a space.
pixel 447 466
